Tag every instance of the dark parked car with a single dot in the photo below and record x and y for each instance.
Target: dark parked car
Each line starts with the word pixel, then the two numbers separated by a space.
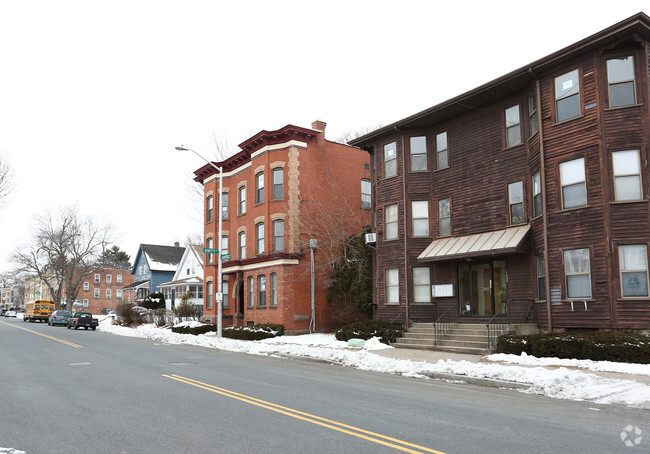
pixel 83 319
pixel 59 318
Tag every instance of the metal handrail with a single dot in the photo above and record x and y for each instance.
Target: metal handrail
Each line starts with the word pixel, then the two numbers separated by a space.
pixel 512 316
pixel 491 330
pixel 441 328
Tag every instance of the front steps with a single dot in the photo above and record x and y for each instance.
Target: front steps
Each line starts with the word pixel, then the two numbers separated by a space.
pixel 469 338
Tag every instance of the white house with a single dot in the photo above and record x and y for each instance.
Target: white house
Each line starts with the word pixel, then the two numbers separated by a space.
pixel 188 278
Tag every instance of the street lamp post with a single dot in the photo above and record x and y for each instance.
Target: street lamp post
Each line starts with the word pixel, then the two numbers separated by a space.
pixel 219 295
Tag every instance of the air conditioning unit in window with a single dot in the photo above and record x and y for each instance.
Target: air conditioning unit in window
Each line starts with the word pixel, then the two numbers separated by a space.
pixel 371 238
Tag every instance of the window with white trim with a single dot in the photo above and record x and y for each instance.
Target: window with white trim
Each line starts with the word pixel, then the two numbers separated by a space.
pixel 420 217
pixel 278 183
pixel 633 262
pixel 259 238
pixel 620 77
pixel 516 202
pixel 577 271
pixel 86 286
pixel 108 293
pixel 98 278
pixel 209 295
pixel 366 194
pixel 444 217
pixel 390 159
pixel 421 285
pixel 274 289
pixel 574 184
pixel 537 194
pixel 96 293
pixel 392 286
pixel 224 294
pixel 209 208
pixel 391 227
pixel 278 235
pixel 242 245
pixel 418 153
pixel 242 200
pixel 259 188
pixel 627 175
pixel 251 292
pixel 261 290
pixel 118 279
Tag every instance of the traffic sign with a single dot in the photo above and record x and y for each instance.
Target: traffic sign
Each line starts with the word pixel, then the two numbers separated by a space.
pixel 209 250
pixel 226 256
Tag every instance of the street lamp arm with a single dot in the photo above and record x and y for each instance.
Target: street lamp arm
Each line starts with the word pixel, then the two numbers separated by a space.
pixel 182 148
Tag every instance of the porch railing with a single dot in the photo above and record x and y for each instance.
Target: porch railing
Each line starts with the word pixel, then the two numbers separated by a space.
pixel 512 311
pixel 446 322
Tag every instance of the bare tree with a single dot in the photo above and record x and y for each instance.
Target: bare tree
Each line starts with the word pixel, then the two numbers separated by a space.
pixel 64 250
pixel 6 179
pixel 347 136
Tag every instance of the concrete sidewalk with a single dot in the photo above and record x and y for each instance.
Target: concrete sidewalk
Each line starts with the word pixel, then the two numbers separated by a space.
pixel 433 356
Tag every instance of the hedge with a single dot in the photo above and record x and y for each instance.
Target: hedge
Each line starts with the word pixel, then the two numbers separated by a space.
pixel 256 332
pixel 368 329
pixel 616 346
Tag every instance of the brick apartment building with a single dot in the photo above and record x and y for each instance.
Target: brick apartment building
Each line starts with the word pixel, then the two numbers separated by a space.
pixel 279 192
pixel 101 290
pixel 531 190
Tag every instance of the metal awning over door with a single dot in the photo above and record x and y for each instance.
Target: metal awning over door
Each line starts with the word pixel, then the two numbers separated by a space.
pixel 476 245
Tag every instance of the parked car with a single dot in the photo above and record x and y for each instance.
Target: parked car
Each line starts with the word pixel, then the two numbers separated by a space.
pixel 83 319
pixel 59 318
pixel 10 314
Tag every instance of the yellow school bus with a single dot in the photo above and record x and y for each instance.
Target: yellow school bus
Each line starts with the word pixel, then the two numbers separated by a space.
pixel 38 310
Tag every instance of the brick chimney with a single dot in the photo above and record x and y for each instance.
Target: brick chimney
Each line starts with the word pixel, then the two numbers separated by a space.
pixel 177 244
pixel 320 125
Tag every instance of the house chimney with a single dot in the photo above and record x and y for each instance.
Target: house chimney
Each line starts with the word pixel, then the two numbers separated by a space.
pixel 177 244
pixel 320 125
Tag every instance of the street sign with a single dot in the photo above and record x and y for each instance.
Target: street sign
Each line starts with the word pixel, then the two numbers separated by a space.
pixel 209 250
pixel 226 256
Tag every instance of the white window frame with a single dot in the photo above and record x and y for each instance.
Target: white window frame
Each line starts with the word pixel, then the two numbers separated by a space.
pixel 241 196
pixel 633 268
pixel 251 291
pixel 615 82
pixel 390 160
pixel 108 293
pixel 96 293
pixel 573 174
pixel 421 285
pixel 86 285
pixel 626 166
pixel 259 238
pixel 418 152
pixel 366 194
pixel 516 201
pixel 98 278
pixel 259 188
pixel 577 266
pixel 274 289
pixel 278 183
pixel 278 240
pixel 392 286
pixel 241 239
pixel 391 227
pixel 513 126
pixel 420 218
pixel 444 217
pixel 209 210
pixel 537 194
pixel 118 279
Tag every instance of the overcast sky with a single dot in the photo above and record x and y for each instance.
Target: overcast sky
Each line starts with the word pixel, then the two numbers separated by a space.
pixel 95 95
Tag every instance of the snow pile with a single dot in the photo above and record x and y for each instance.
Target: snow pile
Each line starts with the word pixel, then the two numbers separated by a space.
pixel 557 382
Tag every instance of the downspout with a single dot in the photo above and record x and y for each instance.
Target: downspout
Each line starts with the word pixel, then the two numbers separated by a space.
pixel 404 198
pixel 540 130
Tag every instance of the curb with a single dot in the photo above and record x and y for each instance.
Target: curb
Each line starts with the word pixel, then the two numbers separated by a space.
pixel 480 381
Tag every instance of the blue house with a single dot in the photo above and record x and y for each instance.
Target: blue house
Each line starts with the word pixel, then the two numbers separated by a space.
pixel 153 265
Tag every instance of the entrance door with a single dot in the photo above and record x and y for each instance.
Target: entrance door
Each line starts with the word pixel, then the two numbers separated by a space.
pixel 479 287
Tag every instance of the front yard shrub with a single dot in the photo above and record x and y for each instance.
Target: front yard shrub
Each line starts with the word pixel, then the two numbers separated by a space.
pixel 617 346
pixel 387 332
pixel 256 332
pixel 196 330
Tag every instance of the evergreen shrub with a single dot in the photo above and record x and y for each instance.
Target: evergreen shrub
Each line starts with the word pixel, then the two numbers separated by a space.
pixel 387 332
pixel 616 346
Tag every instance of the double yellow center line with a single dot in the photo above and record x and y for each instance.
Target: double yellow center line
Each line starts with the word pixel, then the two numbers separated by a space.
pixel 400 445
pixel 63 341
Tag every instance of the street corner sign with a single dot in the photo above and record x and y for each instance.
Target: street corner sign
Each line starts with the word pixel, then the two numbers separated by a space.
pixel 209 250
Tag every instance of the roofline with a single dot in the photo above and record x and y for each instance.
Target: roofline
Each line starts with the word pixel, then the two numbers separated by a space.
pixel 639 20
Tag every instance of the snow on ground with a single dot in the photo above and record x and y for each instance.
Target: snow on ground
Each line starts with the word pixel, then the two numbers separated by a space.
pixel 548 376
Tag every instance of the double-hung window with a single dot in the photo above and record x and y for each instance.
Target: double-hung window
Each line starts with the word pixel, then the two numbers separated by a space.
pixel 442 151
pixel 392 286
pixel 96 293
pixel 366 197
pixel 390 159
pixel 278 183
pixel 261 290
pixel 209 208
pixel 620 77
pixel 574 185
pixel 97 278
pixel 516 202
pixel 633 261
pixel 421 285
pixel 541 278
pixel 532 113
pixel 119 279
pixel 224 245
pixel 86 286
pixel 444 217
pixel 224 205
pixel 577 271
pixel 109 279
pixel 537 194
pixel 274 289
pixel 259 188
pixel 418 153
pixel 391 227
pixel 567 96
pixel 242 245
pixel 278 235
pixel 224 294
pixel 513 126
pixel 259 238
pixel 242 200
pixel 209 286
pixel 420 217
pixel 627 175
pixel 251 292
pixel 209 245
pixel 108 293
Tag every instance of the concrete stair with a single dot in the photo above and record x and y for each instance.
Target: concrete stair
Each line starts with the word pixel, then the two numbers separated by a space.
pixel 467 338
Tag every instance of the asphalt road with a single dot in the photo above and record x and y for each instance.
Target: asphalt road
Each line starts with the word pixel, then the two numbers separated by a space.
pixel 66 391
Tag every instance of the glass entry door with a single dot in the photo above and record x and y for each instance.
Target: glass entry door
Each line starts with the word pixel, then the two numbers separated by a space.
pixel 480 286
